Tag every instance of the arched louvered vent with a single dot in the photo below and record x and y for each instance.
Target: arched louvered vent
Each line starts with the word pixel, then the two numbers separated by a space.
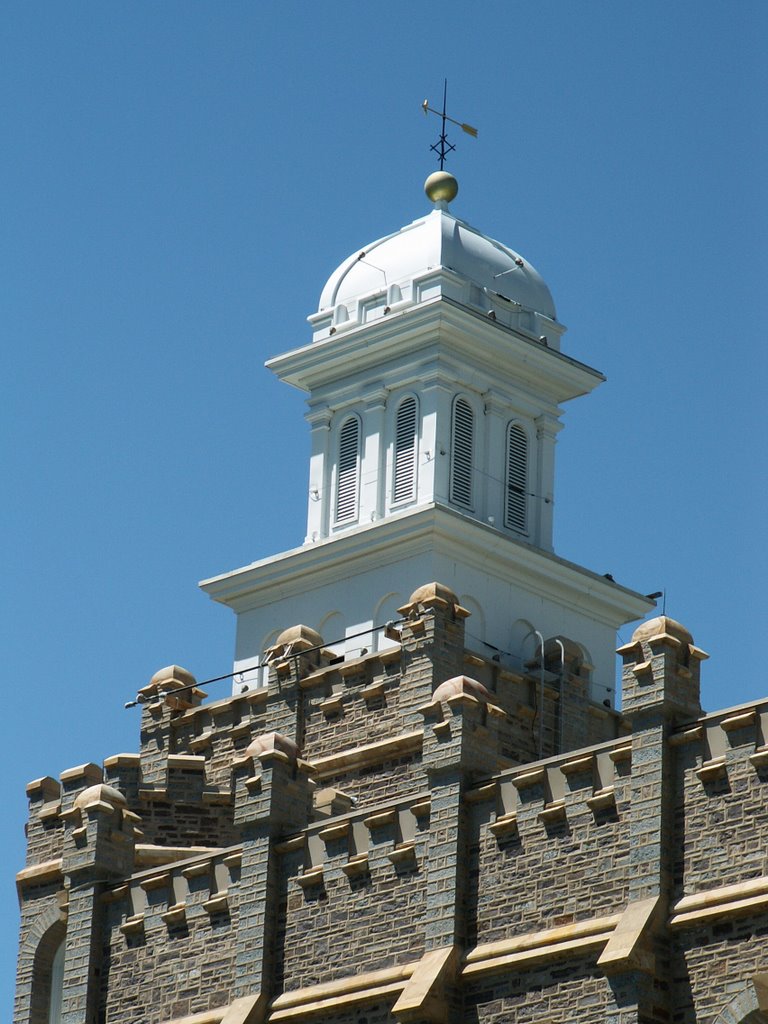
pixel 516 505
pixel 461 452
pixel 405 451
pixel 347 478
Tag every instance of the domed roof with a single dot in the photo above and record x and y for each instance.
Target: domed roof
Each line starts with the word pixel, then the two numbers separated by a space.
pixel 438 240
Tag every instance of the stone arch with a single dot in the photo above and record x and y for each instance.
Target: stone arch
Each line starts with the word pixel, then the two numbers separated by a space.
pixel 36 958
pixel 743 1009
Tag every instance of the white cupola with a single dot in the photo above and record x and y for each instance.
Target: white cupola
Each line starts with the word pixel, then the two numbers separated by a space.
pixel 434 377
pixel 435 385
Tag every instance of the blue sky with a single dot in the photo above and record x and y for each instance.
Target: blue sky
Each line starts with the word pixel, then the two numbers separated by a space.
pixel 178 181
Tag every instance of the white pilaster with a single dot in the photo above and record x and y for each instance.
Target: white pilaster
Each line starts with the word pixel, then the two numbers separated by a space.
pixel 318 502
pixel 492 468
pixel 434 475
pixel 373 457
pixel 547 429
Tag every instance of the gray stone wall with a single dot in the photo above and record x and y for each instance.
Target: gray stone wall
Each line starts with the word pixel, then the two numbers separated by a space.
pixel 546 890
pixel 545 874
pixel 167 970
pixel 347 925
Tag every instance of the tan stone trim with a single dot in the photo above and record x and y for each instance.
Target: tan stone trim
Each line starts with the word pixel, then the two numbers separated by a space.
pixel 153 856
pixel 362 988
pixel 246 1010
pixel 206 1017
pixel 621 753
pixel 578 764
pixel 335 831
pixel 474 659
pixel 193 762
pixel 82 771
pixel 353 666
pixel 688 735
pixel 711 769
pixel 374 691
pixel 37 788
pixel 715 717
pixel 529 778
pixel 421 997
pixel 537 947
pixel 317 676
pixel 625 946
pixel 370 753
pixel 630 648
pixel 743 898
pixel 37 874
pixel 734 722
pixel 122 761
pixel 294 843
pixel 390 654
pixel 664 637
pixel 346 668
pixel 485 792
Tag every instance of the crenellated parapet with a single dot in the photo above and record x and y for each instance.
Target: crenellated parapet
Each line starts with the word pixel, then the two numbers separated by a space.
pixel 160 899
pixel 661 671
pixel 399 843
pixel 100 834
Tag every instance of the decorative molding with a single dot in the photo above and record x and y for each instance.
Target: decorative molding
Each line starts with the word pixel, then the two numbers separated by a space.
pixel 371 986
pixel 537 947
pixel 370 753
pixel 726 901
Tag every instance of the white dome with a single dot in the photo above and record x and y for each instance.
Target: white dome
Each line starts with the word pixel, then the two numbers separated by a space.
pixel 438 240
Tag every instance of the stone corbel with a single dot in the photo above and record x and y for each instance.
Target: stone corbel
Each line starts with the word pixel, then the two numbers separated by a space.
pixel 506 810
pixel 628 947
pixel 424 998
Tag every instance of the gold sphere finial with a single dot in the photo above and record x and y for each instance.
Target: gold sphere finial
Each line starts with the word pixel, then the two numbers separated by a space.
pixel 441 186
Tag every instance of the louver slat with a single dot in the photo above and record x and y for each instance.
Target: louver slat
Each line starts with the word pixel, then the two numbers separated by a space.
pixel 461 464
pixel 516 517
pixel 405 450
pixel 347 482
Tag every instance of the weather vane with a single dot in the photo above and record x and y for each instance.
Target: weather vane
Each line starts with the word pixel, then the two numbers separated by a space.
pixel 443 147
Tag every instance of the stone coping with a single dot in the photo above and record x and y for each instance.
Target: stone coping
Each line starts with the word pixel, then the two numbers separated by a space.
pixel 534 947
pixel 618 749
pixel 368 754
pixel 371 985
pixel 39 874
pixel 385 657
pixel 722 715
pixel 742 898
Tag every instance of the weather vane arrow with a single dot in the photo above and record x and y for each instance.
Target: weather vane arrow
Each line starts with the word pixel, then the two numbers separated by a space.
pixel 443 147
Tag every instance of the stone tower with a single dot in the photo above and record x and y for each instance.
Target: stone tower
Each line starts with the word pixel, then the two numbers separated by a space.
pixel 435 384
pixel 419 805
